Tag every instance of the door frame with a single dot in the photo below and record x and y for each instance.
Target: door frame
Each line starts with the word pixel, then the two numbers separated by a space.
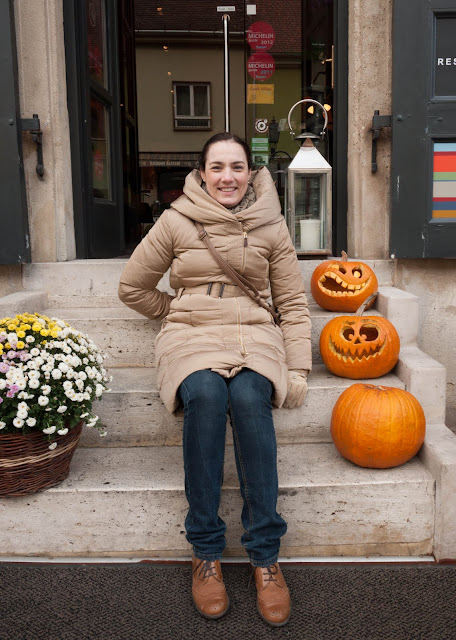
pixel 78 98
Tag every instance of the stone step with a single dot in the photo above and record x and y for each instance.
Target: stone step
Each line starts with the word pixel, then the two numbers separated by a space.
pixel 93 283
pixel 134 415
pixel 131 502
pixel 129 338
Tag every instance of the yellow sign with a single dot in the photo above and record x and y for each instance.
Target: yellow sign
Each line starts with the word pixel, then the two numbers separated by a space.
pixel 260 94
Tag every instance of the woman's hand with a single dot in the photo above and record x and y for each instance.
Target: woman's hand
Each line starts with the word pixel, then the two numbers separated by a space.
pixel 297 389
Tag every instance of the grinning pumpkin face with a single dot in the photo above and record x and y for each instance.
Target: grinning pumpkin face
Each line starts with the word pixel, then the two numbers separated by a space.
pixel 342 286
pixel 359 346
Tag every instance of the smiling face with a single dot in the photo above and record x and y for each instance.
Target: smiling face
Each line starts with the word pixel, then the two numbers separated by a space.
pixel 226 172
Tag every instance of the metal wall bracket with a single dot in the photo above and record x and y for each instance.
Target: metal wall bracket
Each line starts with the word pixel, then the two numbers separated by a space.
pixel 378 122
pixel 33 125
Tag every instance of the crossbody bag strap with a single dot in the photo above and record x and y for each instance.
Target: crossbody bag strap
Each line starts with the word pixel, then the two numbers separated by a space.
pixel 245 285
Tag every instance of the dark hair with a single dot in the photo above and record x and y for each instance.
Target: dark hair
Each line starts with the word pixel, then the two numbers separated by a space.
pixel 220 137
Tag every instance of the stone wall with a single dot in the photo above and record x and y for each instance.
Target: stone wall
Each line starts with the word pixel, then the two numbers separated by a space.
pixel 42 90
pixel 369 82
pixel 433 281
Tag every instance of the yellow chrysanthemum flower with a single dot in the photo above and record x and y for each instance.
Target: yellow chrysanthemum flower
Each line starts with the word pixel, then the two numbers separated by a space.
pixel 54 334
pixel 37 326
pixel 44 332
pixel 11 327
pixel 20 345
pixel 7 345
pixel 21 334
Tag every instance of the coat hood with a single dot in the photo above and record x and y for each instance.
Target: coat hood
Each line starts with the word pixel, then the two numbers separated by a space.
pixel 198 205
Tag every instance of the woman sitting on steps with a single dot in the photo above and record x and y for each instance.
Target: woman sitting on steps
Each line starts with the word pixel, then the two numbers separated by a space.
pixel 220 352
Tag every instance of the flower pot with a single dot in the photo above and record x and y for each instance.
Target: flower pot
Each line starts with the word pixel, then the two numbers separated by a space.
pixel 27 465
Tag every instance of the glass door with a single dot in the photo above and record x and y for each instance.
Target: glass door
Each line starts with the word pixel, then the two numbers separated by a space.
pixel 105 221
pixel 276 58
pixel 180 88
pixel 290 56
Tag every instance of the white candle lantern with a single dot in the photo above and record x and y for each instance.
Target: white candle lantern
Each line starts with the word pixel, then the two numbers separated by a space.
pixel 309 194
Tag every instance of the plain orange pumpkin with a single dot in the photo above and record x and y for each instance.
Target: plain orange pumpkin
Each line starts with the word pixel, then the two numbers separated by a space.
pixel 359 346
pixel 342 285
pixel 377 427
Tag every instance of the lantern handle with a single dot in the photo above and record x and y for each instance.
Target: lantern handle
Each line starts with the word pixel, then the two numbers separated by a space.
pixel 314 102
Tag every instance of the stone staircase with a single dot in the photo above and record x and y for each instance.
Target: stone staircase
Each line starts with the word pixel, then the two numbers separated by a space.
pixel 125 493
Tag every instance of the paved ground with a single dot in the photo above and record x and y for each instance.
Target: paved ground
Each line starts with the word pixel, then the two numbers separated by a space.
pixel 151 601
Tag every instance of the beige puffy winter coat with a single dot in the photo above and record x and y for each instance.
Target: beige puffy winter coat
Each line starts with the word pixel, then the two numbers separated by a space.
pixel 227 333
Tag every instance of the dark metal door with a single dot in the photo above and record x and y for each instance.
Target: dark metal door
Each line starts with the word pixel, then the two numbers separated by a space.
pixel 14 246
pixel 92 50
pixel 424 129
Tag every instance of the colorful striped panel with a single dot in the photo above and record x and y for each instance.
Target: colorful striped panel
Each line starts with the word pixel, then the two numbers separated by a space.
pixel 444 179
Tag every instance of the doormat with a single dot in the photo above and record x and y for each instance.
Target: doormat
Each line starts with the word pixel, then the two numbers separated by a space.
pixel 153 602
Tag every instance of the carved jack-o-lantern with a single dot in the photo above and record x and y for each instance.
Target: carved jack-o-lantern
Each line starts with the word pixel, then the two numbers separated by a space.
pixel 359 346
pixel 342 285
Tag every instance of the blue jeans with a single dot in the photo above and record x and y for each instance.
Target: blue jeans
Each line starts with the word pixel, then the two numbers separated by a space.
pixel 207 397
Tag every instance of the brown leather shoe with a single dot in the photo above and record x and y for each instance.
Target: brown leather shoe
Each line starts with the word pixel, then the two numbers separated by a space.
pixel 273 597
pixel 208 589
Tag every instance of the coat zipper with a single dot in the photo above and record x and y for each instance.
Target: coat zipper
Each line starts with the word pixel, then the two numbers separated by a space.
pixel 240 337
pixel 244 251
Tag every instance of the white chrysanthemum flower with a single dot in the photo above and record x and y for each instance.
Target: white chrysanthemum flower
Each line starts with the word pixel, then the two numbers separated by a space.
pixel 67 385
pixel 52 446
pixel 66 349
pixel 85 361
pixel 33 375
pixel 39 361
pixel 22 414
pixel 34 384
pixel 86 395
pixel 2 424
pixel 31 422
pixel 62 408
pixel 21 383
pixel 30 339
pixel 79 384
pixel 22 395
pixel 12 337
pixel 46 389
pixel 70 374
pixel 43 401
pixel 82 375
pixel 50 430
pixel 61 324
pixel 62 432
pixel 56 374
pixel 2 384
pixel 23 406
pixel 63 367
pixel 84 415
pixel 79 397
pixel 18 423
pixel 99 390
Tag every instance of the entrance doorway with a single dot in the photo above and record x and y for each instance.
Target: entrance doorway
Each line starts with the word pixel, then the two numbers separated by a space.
pixel 277 56
pixel 151 124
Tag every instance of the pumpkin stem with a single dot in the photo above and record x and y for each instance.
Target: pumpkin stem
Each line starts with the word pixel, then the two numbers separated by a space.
pixel 344 256
pixel 366 303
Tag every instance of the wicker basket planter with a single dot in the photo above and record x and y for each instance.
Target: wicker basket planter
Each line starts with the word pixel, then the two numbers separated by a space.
pixel 27 465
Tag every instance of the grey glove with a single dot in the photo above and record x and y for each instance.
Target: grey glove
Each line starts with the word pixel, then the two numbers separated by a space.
pixel 297 389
